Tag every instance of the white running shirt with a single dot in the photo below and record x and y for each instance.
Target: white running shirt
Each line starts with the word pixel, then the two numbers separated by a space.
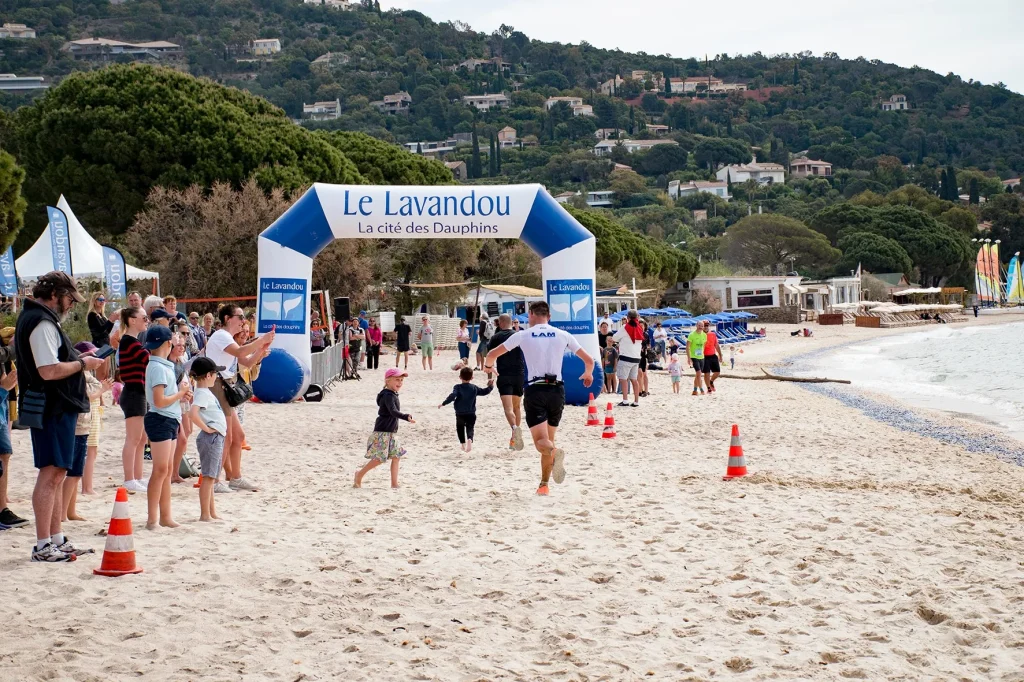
pixel 543 347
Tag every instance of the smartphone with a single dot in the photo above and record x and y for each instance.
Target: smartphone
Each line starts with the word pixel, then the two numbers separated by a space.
pixel 104 352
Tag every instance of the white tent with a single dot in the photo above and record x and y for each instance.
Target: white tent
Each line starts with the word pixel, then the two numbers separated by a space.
pixel 86 253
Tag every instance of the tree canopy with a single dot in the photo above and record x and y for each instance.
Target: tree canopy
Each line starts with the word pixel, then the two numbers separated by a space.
pixel 772 241
pixel 874 253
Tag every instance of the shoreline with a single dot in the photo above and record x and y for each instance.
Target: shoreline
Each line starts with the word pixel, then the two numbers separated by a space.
pixel 971 432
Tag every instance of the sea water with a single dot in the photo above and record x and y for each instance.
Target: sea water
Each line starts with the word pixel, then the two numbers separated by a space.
pixel 975 372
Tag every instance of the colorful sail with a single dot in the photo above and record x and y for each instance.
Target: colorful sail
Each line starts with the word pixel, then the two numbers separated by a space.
pixel 995 273
pixel 981 276
pixel 1014 282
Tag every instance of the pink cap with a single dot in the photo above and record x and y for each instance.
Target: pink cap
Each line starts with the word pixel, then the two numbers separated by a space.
pixel 395 372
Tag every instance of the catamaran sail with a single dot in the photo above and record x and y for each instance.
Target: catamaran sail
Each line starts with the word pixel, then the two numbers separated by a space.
pixel 981 277
pixel 995 273
pixel 1014 282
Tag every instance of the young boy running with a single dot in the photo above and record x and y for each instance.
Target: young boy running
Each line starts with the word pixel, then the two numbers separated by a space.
pixel 464 396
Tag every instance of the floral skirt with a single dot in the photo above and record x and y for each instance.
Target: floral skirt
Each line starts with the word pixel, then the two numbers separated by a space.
pixel 384 445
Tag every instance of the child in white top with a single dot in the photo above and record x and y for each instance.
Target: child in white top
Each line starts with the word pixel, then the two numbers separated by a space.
pixel 675 370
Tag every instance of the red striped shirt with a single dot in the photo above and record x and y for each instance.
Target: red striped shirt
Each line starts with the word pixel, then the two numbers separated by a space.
pixel 132 361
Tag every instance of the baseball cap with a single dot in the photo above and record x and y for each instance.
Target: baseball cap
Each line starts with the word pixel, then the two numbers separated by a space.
pixel 160 314
pixel 202 366
pixel 84 347
pixel 63 281
pixel 157 336
pixel 395 372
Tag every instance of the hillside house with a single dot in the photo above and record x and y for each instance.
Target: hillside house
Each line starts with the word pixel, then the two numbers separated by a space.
pixel 597 199
pixel 433 150
pixel 327 60
pixel 657 129
pixel 486 102
pixel 612 85
pixel 574 103
pixel 336 4
pixel 609 133
pixel 397 103
pixel 763 173
pixel 264 47
pixel 604 147
pixel 677 86
pixel 1011 183
pixel 458 169
pixel 104 49
pixel 507 137
pixel 11 83
pixel 804 167
pixel 322 111
pixel 896 103
pixel 694 83
pixel 17 31
pixel 678 189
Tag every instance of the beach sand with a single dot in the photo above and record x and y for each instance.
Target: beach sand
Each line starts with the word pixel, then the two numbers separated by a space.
pixel 853 550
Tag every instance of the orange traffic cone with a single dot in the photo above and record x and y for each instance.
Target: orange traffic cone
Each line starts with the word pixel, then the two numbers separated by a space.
pixel 592 418
pixel 737 462
pixel 199 482
pixel 119 553
pixel 609 423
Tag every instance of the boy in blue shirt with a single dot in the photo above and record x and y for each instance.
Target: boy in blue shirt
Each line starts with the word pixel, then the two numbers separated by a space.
pixel 464 396
pixel 162 422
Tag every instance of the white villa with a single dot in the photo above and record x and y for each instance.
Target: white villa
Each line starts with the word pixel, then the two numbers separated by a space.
pixel 604 147
pixel 678 189
pixel 486 102
pixel 896 103
pixel 763 173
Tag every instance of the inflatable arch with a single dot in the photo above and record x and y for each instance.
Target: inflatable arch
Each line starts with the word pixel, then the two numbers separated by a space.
pixel 328 212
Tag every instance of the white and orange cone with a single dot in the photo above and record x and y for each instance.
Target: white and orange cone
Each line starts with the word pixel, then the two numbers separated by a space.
pixel 119 552
pixel 592 418
pixel 609 423
pixel 737 466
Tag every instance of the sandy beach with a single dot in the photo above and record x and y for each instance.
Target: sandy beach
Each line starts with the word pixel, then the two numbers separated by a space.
pixel 854 550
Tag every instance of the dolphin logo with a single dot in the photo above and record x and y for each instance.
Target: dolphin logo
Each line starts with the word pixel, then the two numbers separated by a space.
pixel 291 303
pixel 272 309
pixel 562 308
pixel 579 304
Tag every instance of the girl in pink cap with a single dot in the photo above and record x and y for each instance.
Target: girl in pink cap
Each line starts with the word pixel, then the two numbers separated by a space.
pixel 383 445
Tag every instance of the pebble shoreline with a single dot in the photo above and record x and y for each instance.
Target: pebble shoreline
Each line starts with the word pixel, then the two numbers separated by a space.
pixel 909 420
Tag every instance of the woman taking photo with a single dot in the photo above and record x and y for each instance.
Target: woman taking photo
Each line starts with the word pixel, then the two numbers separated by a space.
pixel 374 338
pixel 99 325
pixel 132 360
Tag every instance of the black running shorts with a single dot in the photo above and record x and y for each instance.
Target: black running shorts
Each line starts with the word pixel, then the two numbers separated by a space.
pixel 544 403
pixel 698 365
pixel 711 364
pixel 510 385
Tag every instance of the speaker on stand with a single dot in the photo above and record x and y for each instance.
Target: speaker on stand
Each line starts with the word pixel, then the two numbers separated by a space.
pixel 341 309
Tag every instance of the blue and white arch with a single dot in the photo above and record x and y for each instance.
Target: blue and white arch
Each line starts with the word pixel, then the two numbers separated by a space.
pixel 328 212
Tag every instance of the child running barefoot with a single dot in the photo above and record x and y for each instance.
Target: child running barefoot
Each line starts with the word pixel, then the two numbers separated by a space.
pixel 382 445
pixel 464 396
pixel 162 422
pixel 675 370
pixel 208 416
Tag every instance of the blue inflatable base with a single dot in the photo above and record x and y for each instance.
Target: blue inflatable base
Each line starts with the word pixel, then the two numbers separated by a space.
pixel 282 378
pixel 575 392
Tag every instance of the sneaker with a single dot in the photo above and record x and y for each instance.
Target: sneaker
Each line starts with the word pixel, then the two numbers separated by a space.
pixel 624 404
pixel 147 454
pixel 134 487
pixel 634 404
pixel 3 527
pixel 222 487
pixel 70 549
pixel 543 489
pixel 10 519
pixel 242 484
pixel 51 554
pixel 558 468
pixel 694 392
pixel 517 438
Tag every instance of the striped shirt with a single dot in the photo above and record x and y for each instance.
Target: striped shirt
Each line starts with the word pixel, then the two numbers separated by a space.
pixel 132 359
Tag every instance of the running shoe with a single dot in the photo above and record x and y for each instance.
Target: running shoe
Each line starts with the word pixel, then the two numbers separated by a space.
pixel 147 453
pixel 69 548
pixel 634 404
pixel 558 468
pixel 51 554
pixel 134 487
pixel 517 438
pixel 694 393
pixel 624 404
pixel 10 519
pixel 3 527
pixel 222 487
pixel 543 489
pixel 241 484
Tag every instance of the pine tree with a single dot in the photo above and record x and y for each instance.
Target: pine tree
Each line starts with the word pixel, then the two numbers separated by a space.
pixel 728 127
pixel 796 74
pixel 632 118
pixel 974 199
pixel 497 156
pixel 728 181
pixel 492 164
pixel 376 7
pixel 419 149
pixel 475 166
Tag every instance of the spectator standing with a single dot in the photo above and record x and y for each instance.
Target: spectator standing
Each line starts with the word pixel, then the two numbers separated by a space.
pixel 179 357
pixel 222 349
pixel 603 332
pixel 610 361
pixel 352 337
pixel 151 305
pixel 99 324
pixel 209 418
pixel 317 336
pixel 208 326
pixel 464 396
pixel 364 325
pixel 132 359
pixel 197 330
pixel 463 339
pixel 630 339
pixel 50 373
pixel 483 335
pixel 645 347
pixel 94 389
pixel 162 422
pixel 426 338
pixel 374 338
pixel 8 384
pixel 511 380
pixel 402 334
pixel 660 341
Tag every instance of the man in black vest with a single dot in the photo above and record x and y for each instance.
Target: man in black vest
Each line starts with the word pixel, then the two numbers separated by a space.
pixel 52 395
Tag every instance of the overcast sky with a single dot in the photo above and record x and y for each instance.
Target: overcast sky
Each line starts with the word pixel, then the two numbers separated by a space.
pixel 983 40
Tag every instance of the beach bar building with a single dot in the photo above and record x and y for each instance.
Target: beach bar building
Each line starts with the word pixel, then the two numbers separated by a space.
pixel 773 298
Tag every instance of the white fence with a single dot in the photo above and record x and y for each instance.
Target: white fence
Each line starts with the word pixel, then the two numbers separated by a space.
pixel 327 365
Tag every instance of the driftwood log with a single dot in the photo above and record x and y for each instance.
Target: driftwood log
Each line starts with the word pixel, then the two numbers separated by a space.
pixel 775 377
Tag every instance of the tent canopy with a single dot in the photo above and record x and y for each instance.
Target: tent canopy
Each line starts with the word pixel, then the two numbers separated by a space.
pixel 86 254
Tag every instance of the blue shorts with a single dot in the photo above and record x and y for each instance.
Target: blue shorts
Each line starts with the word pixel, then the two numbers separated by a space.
pixel 5 434
pixel 160 427
pixel 54 444
pixel 81 450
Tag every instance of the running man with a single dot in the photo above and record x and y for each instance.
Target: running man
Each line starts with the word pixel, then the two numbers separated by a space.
pixel 695 355
pixel 713 358
pixel 511 377
pixel 543 347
